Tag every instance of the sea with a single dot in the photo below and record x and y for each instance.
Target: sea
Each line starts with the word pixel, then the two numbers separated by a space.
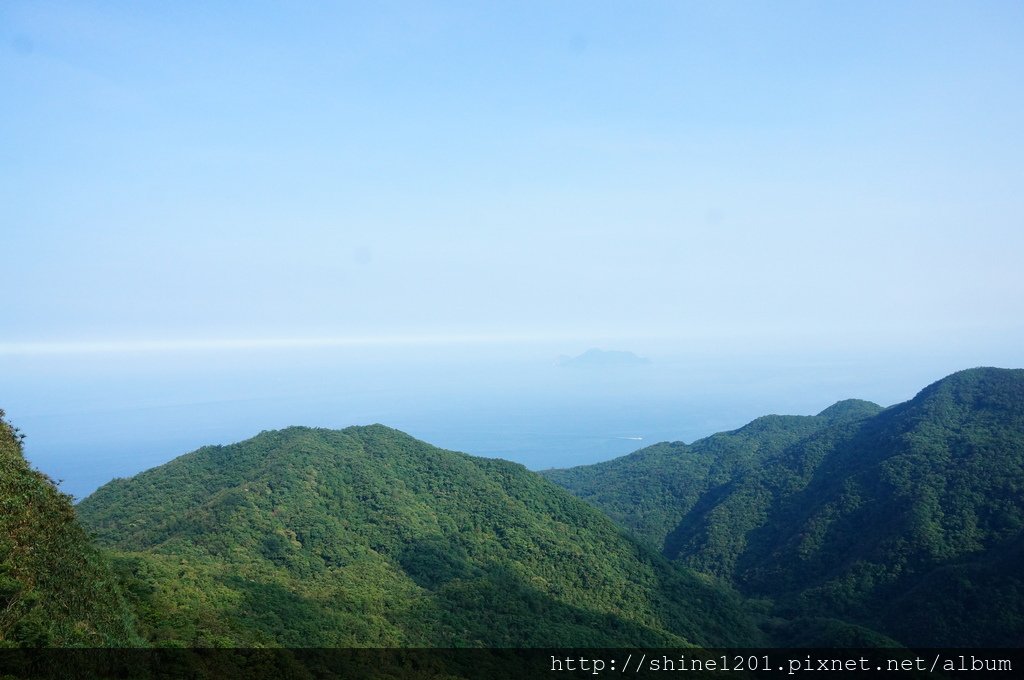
pixel 90 417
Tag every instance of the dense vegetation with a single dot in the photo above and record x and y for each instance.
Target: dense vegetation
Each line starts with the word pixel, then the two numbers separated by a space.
pixel 859 526
pixel 653 490
pixel 366 536
pixel 56 589
pixel 908 521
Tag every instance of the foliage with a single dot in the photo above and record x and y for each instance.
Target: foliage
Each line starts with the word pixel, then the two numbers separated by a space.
pixel 899 520
pixel 55 587
pixel 368 537
pixel 662 488
pixel 860 526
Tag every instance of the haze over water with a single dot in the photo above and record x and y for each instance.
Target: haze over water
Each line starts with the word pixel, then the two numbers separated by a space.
pixel 91 417
pixel 218 218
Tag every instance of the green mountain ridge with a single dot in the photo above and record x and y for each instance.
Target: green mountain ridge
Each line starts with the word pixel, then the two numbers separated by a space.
pixel 368 537
pixel 652 490
pixel 861 514
pixel 858 526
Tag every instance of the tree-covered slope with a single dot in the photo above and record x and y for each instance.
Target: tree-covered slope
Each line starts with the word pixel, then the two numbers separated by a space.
pixel 919 505
pixel 56 589
pixel 660 489
pixel 907 521
pixel 366 536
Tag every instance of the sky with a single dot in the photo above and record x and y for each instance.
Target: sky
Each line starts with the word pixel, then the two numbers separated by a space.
pixel 208 171
pixel 188 181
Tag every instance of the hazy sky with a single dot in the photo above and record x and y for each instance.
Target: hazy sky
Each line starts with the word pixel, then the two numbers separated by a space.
pixel 260 170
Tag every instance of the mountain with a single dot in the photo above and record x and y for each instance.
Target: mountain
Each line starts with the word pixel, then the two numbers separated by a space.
pixel 368 537
pixel 56 589
pixel 651 491
pixel 601 358
pixel 907 521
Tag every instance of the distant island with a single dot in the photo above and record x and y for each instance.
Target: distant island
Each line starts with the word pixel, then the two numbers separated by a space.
pixel 599 358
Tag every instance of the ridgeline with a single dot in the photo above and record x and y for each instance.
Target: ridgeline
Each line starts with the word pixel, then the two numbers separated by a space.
pixel 906 522
pixel 368 537
pixel 860 526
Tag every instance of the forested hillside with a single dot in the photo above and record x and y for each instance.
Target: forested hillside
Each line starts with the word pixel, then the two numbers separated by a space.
pixel 56 589
pixel 907 521
pixel 366 536
pixel 859 526
pixel 652 490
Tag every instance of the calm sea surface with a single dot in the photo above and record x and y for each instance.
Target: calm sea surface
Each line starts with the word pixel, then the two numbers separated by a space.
pixel 90 418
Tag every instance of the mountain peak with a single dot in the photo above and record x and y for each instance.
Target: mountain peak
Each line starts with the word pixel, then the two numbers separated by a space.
pixel 985 388
pixel 981 377
pixel 439 548
pixel 600 358
pixel 859 515
pixel 849 409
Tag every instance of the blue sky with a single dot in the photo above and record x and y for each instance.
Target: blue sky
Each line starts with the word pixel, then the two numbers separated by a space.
pixel 826 172
pixel 218 218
